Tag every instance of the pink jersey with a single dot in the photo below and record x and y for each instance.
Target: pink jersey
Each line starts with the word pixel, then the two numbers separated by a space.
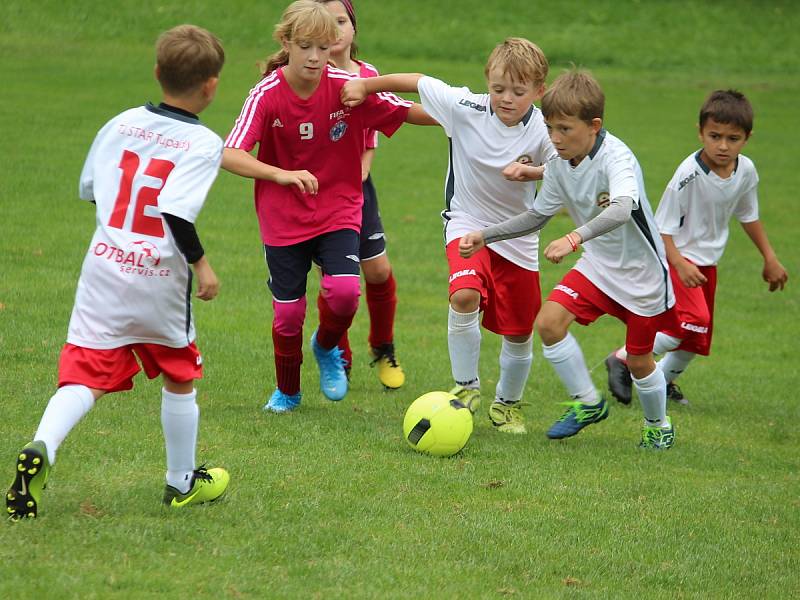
pixel 367 70
pixel 320 135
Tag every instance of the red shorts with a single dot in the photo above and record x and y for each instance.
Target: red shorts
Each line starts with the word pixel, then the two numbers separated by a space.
pixel 694 310
pixel 584 300
pixel 510 295
pixel 113 370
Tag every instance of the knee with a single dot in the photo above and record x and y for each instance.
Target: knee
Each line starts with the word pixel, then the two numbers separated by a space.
pixel 550 330
pixel 377 270
pixel 465 300
pixel 341 293
pixel 289 316
pixel 641 365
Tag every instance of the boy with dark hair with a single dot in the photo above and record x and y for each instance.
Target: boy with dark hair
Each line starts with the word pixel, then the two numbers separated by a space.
pixel 148 172
pixel 709 187
pixel 622 270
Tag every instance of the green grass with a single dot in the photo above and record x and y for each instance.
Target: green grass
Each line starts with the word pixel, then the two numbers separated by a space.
pixel 329 502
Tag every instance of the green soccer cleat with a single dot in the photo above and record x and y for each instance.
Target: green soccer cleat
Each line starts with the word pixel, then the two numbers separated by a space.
pixel 24 495
pixel 208 485
pixel 469 397
pixel 658 438
pixel 576 417
pixel 507 417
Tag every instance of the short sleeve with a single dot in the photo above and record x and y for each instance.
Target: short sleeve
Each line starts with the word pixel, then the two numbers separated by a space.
pixel 187 186
pixel 86 183
pixel 438 100
pixel 384 112
pixel 550 197
pixel 668 214
pixel 746 210
pixel 622 181
pixel 249 124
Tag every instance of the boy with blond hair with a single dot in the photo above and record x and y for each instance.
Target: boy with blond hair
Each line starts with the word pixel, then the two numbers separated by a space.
pixel 710 186
pixel 498 144
pixel 622 270
pixel 148 173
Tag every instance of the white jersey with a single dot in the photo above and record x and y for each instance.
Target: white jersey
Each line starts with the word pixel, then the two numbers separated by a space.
pixel 135 284
pixel 481 146
pixel 628 263
pixel 698 204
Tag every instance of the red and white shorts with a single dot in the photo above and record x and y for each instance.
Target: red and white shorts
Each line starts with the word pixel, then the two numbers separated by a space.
pixel 510 295
pixel 587 302
pixel 112 370
pixel 694 310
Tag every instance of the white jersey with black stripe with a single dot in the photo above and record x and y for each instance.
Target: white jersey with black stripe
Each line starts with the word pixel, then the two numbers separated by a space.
pixel 481 146
pixel 135 284
pixel 698 204
pixel 628 263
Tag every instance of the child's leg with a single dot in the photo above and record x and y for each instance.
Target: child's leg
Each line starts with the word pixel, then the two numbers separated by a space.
pixel 180 418
pixel 674 363
pixel 464 337
pixel 381 299
pixel 337 303
pixel 287 340
pixel 651 386
pixel 516 356
pixel 65 410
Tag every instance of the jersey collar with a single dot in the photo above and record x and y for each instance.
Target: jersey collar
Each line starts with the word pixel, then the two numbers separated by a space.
pixel 706 168
pixel 524 120
pixel 173 112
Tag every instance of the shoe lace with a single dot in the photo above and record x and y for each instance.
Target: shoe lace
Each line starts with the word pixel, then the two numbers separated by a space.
pixel 384 351
pixel 202 474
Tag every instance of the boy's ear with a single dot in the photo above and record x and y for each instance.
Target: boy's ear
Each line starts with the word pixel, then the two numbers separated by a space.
pixel 597 125
pixel 210 87
pixel 156 72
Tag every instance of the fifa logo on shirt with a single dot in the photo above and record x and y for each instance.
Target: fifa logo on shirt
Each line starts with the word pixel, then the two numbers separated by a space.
pixel 603 199
pixel 337 131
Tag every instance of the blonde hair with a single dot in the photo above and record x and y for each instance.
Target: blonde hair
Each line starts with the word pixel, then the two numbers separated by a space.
pixel 520 58
pixel 302 20
pixel 187 56
pixel 575 93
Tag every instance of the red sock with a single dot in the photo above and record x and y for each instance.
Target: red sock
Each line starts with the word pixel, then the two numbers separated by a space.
pixel 288 358
pixel 381 303
pixel 331 326
pixel 347 351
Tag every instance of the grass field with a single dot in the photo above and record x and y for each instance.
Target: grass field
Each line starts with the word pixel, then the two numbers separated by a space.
pixel 329 502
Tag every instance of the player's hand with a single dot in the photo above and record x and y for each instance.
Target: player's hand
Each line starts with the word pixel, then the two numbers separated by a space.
pixel 558 249
pixel 353 93
pixel 303 180
pixel 207 282
pixel 518 171
pixel 690 275
pixel 470 243
pixel 775 275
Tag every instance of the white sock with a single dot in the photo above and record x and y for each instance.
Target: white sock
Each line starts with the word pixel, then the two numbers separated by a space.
pixel 464 343
pixel 567 359
pixel 515 364
pixel 65 410
pixel 664 343
pixel 653 396
pixel 179 419
pixel 675 363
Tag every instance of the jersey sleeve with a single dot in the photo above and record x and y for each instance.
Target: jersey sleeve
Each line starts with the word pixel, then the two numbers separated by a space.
pixel 86 183
pixel 622 180
pixel 550 197
pixel 438 100
pixel 384 112
pixel 187 186
pixel 746 209
pixel 250 123
pixel 370 135
pixel 670 212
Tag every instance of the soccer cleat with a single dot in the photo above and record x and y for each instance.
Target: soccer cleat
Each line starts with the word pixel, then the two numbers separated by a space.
pixel 577 416
pixel 469 397
pixel 619 379
pixel 675 394
pixel 208 485
pixel 282 403
pixel 507 417
pixel 332 378
pixel 390 373
pixel 658 438
pixel 24 495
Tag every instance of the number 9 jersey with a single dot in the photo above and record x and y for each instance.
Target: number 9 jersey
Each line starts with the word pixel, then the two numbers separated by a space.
pixel 135 284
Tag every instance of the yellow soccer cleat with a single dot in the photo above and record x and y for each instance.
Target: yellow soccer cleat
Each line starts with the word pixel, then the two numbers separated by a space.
pixel 25 493
pixel 208 485
pixel 390 373
pixel 507 417
pixel 469 397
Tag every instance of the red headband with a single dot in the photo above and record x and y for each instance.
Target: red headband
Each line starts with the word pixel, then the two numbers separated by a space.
pixel 351 12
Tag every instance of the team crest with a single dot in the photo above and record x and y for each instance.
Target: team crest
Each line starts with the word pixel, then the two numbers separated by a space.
pixel 603 199
pixel 338 130
pixel 525 159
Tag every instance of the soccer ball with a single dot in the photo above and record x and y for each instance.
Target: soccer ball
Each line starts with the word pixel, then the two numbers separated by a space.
pixel 437 423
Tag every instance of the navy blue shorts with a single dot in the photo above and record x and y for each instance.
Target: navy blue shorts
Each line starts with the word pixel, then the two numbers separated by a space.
pixel 335 252
pixel 373 240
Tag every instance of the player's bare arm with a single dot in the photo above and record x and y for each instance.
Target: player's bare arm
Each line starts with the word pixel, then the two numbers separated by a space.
pixel 207 282
pixel 688 273
pixel 245 164
pixel 773 272
pixel 418 116
pixel 356 90
pixel 518 171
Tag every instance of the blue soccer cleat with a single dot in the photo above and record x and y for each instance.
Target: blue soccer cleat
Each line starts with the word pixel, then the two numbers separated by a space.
pixel 282 403
pixel 332 376
pixel 577 416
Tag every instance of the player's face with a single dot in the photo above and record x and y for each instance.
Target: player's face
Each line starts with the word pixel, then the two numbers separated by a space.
pixel 573 138
pixel 510 100
pixel 722 143
pixel 346 31
pixel 307 58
